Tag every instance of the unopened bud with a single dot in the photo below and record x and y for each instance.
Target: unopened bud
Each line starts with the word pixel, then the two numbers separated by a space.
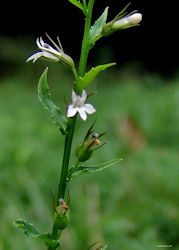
pixel 135 19
pixel 127 22
pixel 122 23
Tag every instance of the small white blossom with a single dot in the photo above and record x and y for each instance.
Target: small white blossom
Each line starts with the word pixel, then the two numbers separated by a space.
pixel 128 21
pixel 78 105
pixel 46 52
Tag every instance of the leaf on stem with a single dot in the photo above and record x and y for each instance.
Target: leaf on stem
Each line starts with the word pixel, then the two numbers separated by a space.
pixel 78 4
pixel 44 97
pixel 96 29
pixel 28 228
pixel 31 232
pixel 83 82
pixel 49 241
pixel 82 169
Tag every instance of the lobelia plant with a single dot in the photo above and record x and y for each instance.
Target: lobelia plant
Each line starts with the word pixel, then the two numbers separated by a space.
pixel 66 122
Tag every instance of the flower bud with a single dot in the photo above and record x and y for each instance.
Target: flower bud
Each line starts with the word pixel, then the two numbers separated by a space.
pixel 122 23
pixel 127 22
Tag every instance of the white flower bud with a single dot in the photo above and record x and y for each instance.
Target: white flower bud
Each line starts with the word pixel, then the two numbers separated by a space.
pixel 128 21
pixel 135 19
pixel 122 23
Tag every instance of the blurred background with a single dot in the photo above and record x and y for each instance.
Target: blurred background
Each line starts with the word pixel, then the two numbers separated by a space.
pixel 131 206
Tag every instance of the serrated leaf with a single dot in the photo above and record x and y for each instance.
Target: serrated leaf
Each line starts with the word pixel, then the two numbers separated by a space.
pixel 97 28
pixel 77 4
pixel 82 169
pixel 28 228
pixel 31 232
pixel 44 97
pixel 83 82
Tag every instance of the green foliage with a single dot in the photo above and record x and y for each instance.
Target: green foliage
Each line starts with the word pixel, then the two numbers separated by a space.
pixel 140 204
pixel 49 241
pixel 78 4
pixel 83 82
pixel 82 169
pixel 28 228
pixel 30 231
pixel 96 29
pixel 44 97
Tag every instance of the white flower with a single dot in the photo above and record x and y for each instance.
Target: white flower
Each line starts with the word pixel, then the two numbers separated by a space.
pixel 78 105
pixel 128 21
pixel 46 52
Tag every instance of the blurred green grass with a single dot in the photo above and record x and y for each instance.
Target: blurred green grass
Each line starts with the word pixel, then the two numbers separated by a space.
pixel 130 206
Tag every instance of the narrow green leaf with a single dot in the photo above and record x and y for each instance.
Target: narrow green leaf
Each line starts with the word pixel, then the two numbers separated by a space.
pixel 44 97
pixel 77 4
pixel 82 169
pixel 97 28
pixel 83 82
pixel 31 232
pixel 28 228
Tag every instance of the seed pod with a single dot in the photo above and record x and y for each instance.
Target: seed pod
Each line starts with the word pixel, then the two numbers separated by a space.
pixel 61 220
pixel 83 152
pixel 61 215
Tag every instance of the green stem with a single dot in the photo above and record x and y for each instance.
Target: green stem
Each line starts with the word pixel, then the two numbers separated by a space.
pixel 75 74
pixel 66 157
pixel 72 121
pixel 85 45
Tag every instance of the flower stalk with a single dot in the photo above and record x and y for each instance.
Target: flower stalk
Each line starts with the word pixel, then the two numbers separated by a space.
pixel 72 121
pixel 66 123
pixel 85 46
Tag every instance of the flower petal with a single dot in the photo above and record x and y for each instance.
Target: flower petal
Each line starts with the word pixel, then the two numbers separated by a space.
pixel 73 96
pixel 82 113
pixel 46 47
pixel 38 43
pixel 49 56
pixel 72 110
pixel 89 108
pixel 34 57
pixel 83 96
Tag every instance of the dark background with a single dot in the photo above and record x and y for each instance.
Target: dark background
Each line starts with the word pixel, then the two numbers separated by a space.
pixel 154 44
